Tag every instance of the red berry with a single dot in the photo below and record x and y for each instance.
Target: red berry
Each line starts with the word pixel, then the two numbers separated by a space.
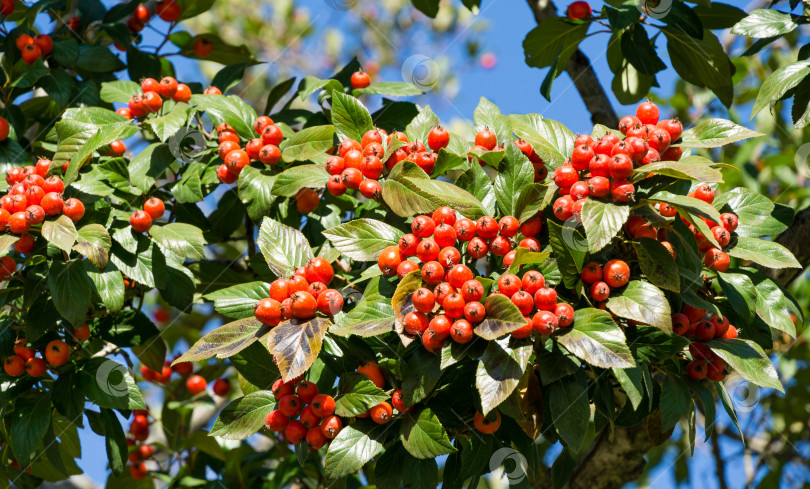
pixel 647 113
pixel 616 273
pixel 438 138
pixel 579 10
pixel 196 384
pixel 360 79
pixel 486 139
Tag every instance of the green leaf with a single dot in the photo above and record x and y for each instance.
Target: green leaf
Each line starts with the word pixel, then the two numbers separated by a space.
pixel 149 165
pixel 749 360
pixel 487 114
pixel 409 191
pixel 754 211
pixel 696 168
pixel 225 341
pixel 167 125
pixel 115 441
pixel 29 423
pixel 689 205
pixel 71 290
pixel 244 416
pixel 311 84
pixel 713 133
pixel 767 253
pixel 109 385
pixel 229 76
pixel 180 238
pixel 719 15
pixel 477 183
pixel 308 143
pixel 773 303
pixel 764 23
pixel 402 301
pixel 530 201
pixel 741 294
pixel 397 468
pixel 356 395
pixel 97 59
pixel 683 18
pixel 702 62
pixel 119 91
pixel 372 316
pixel 570 410
pixel 552 36
pixel 61 233
pixel 108 284
pixel 283 247
pixel 293 179
pixel 238 301
pixel 525 257
pixel 392 89
pixel 657 264
pixel 421 125
pixel 363 239
pixel 424 436
pixel 502 318
pixel 643 302
pixel 676 402
pixel 355 445
pixel 222 52
pixel 630 85
pixel 93 241
pixel 602 221
pixel 595 338
pixel 350 118
pixel 427 7
pixel 779 83
pixel 78 141
pixel 295 345
pixel 517 174
pixel 631 382
pixel 230 109
pixel 639 51
pixel 256 191
pixel 552 141
pixel 569 247
pixel 500 369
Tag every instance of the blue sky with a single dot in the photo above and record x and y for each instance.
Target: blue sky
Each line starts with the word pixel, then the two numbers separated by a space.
pixel 514 87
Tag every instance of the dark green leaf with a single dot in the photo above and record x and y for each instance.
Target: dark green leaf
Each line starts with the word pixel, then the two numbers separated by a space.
pixel 552 141
pixel 569 247
pixel 238 301
pixel 29 422
pixel 643 302
pixel 283 247
pixel 767 253
pixel 424 436
pixel 244 416
pixel 307 143
pixel 640 52
pixel 350 118
pixel 602 221
pixel 595 338
pixel 230 109
pixel 702 62
pixel 363 239
pixel 500 369
pixel 676 402
pixel 115 440
pixel 570 410
pixel 182 239
pixel 502 317
pixel 356 395
pixel 657 264
pixel 71 290
pixel 355 445
pixel 719 15
pixel 749 360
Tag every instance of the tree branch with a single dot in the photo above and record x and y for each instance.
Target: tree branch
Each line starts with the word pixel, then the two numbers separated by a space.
pixel 581 72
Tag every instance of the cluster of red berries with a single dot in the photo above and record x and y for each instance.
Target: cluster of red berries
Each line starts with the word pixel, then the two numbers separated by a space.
pixel 263 148
pixel 303 414
pixel 168 10
pixel 139 429
pixel 615 274
pixel 33 48
pixel 24 360
pixel 141 220
pixel 137 456
pixel 33 196
pixel 358 165
pixel 301 296
pixel 702 326
pixel 150 101
pixel 601 168
pixel 454 305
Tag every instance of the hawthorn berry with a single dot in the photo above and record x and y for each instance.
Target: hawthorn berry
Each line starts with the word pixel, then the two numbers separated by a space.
pixel 14 366
pixel 616 273
pixel 705 193
pixel 564 313
pixel 486 426
pixel 335 185
pixel 360 79
pixel 647 113
pixel 196 384
pixel 373 372
pixel 474 312
pixel 696 370
pixel 486 139
pixel 533 226
pixel 370 189
pixel 427 250
pixel 140 221
pixel 423 226
pixel 449 256
pixel 415 323
pixel 438 138
pixel 331 426
pixel 465 229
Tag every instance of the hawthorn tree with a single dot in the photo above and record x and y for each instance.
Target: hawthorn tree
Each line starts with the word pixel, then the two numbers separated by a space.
pixel 404 305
